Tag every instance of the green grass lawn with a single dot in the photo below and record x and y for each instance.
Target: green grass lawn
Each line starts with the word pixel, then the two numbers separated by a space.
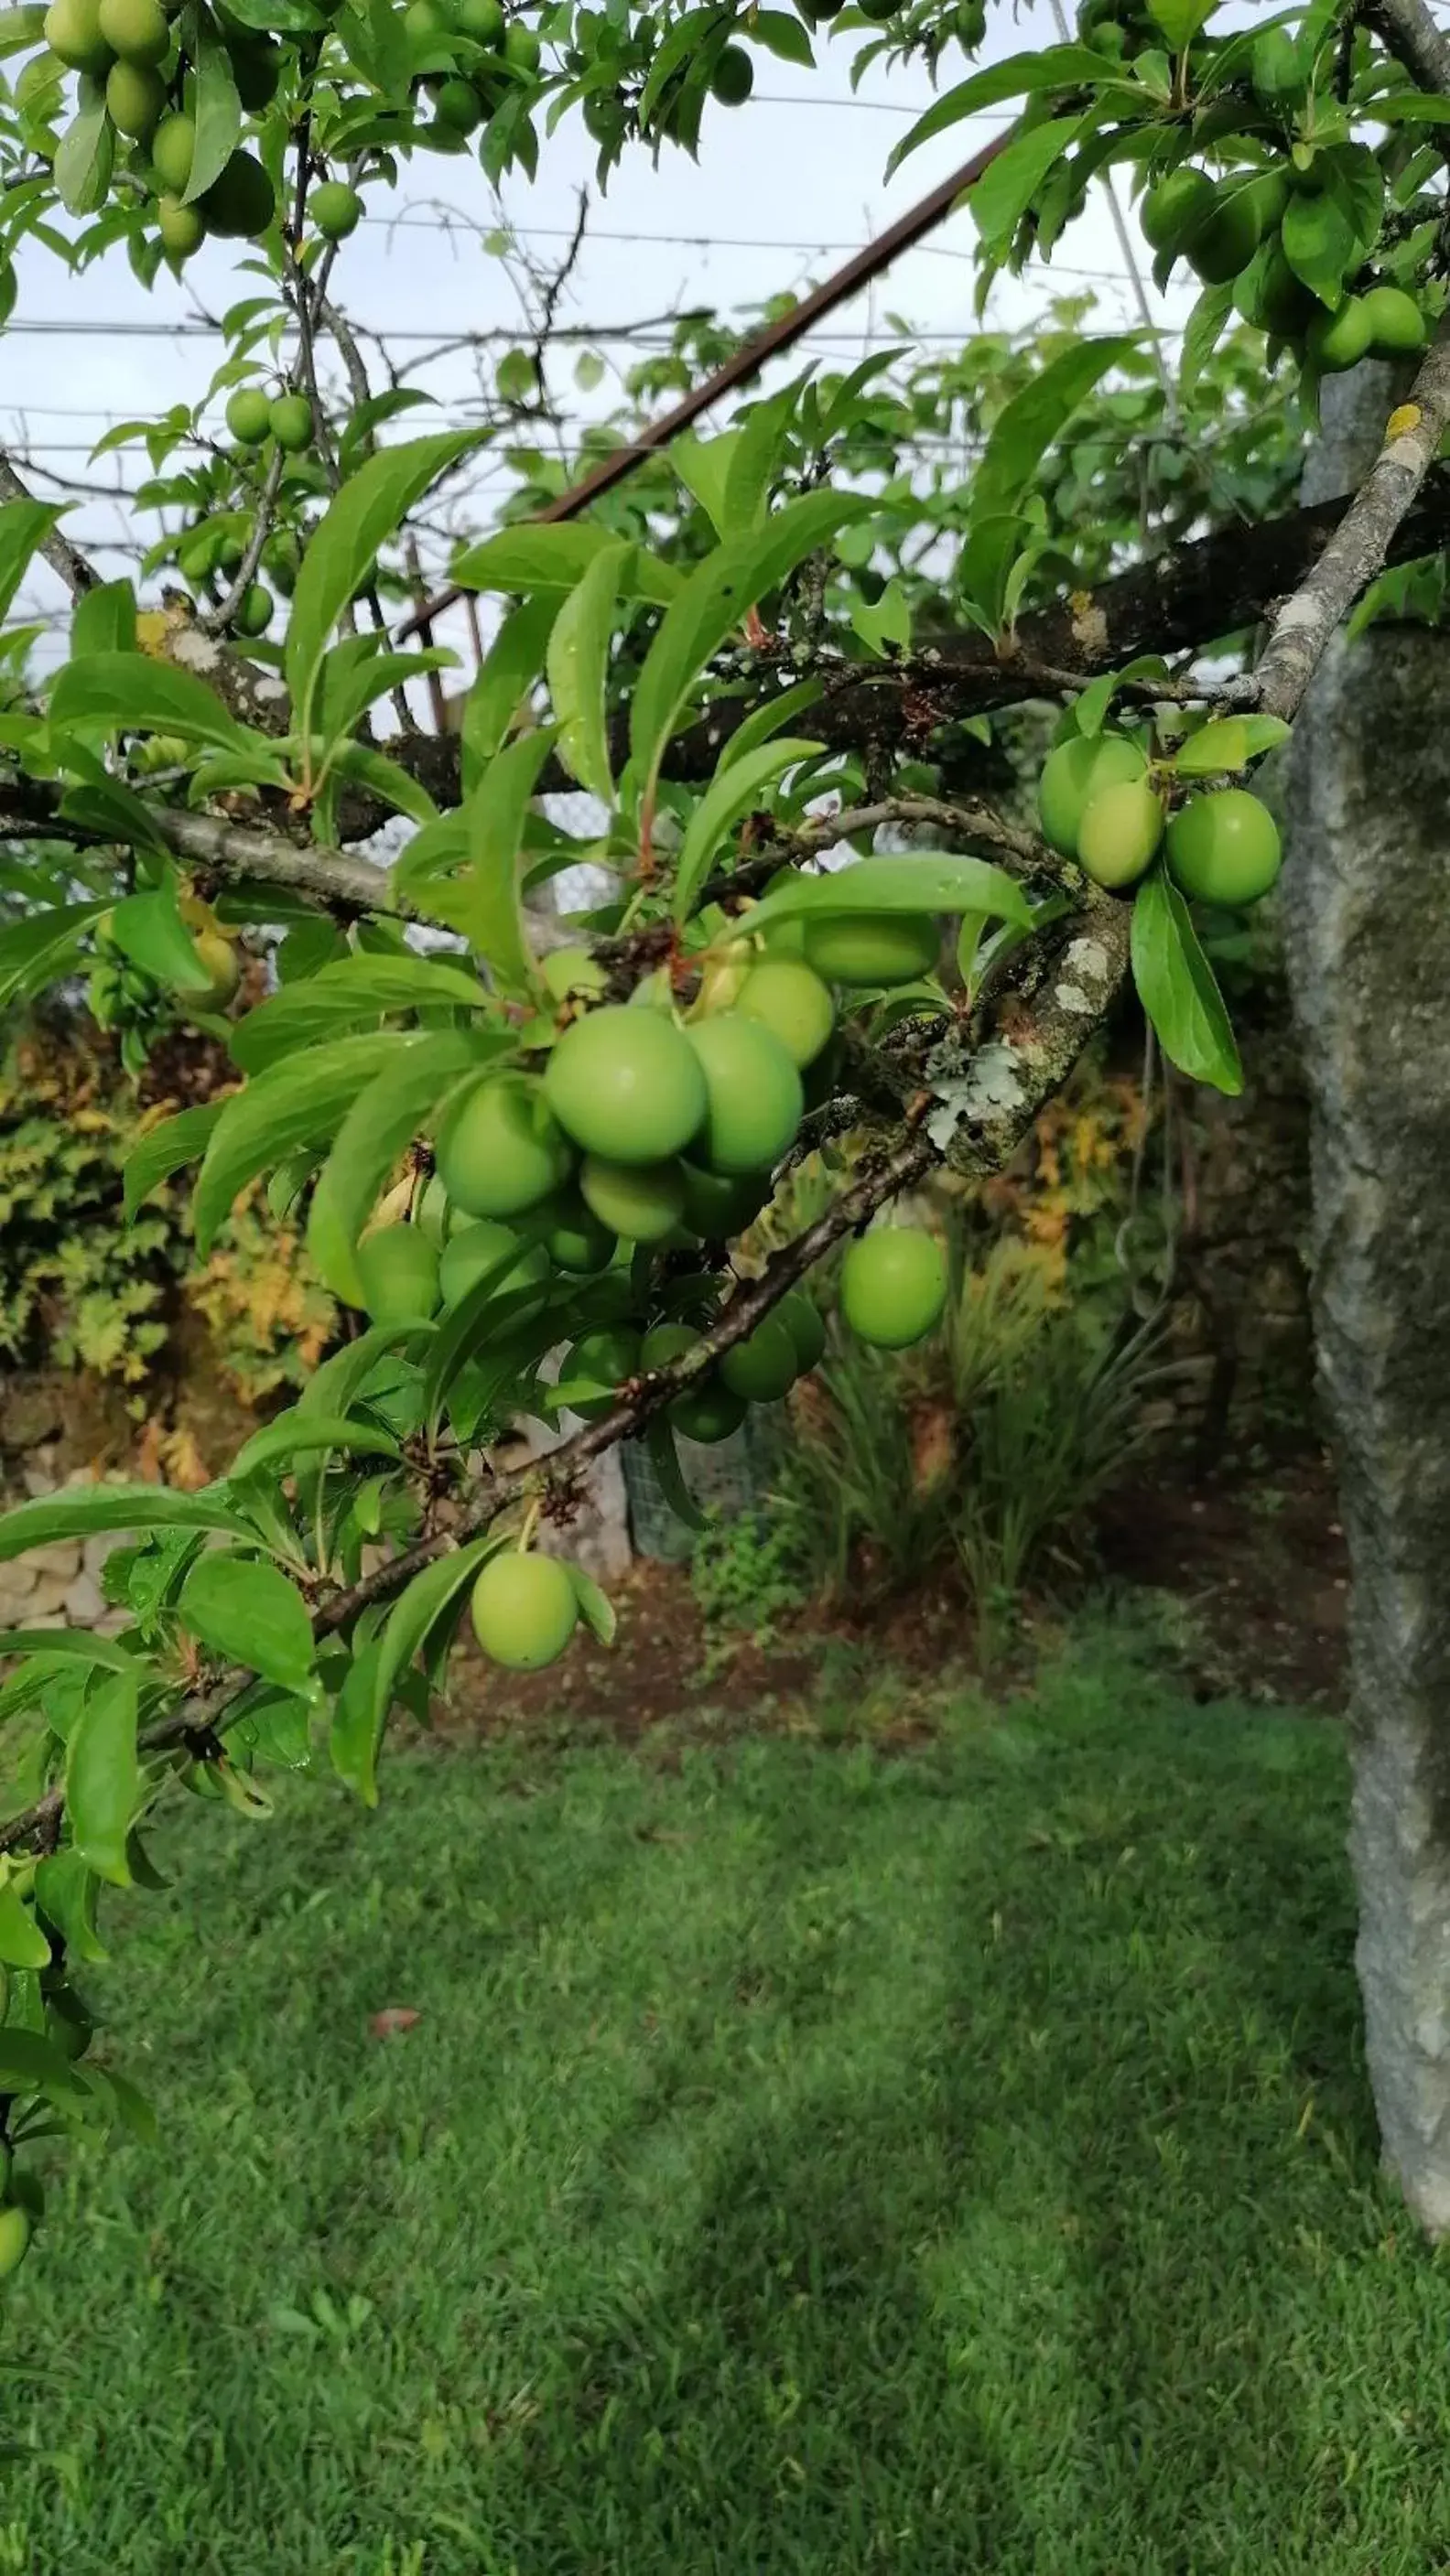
pixel 805 2161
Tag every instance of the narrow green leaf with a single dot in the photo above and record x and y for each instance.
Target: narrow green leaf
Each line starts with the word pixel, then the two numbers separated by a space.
pixel 384 1118
pixel 1229 742
pixel 295 1434
pixel 34 952
pixel 250 1614
pixel 176 1142
pixel 22 1942
pixel 30 2064
pixel 351 992
pixel 1177 989
pixel 714 600
pixel 1059 67
pixel 413 1616
pixel 87 151
pixel 368 510
pixel 665 1460
pixel 577 663
pixel 217 109
pixel 103 1779
pixel 80 1510
pixel 24 526
pixel 595 1607
pixel 764 722
pixel 1204 329
pixel 490 912
pixel 1006 189
pixel 103 620
pixel 66 1645
pixel 925 881
pixel 20 29
pixel 1025 429
pixel 732 793
pixel 301 1101
pixel 555 558
pixel 135 692
pixel 512 664
pixel 66 1892
pixel 149 929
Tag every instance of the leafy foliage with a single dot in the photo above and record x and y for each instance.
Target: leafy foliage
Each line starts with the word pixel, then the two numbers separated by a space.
pixel 818 959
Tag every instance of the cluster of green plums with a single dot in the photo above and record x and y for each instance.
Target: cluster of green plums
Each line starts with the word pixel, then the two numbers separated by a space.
pixel 471 53
pixel 893 1290
pixel 211 552
pixel 1100 802
pixel 1229 231
pixel 130 49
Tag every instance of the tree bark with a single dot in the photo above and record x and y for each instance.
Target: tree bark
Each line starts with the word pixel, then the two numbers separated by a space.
pixel 1367 923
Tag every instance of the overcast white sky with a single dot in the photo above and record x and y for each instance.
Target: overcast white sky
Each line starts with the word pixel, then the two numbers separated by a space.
pixel 784 188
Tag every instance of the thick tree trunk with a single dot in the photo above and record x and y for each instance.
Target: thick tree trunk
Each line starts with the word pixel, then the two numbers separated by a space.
pixel 1367 916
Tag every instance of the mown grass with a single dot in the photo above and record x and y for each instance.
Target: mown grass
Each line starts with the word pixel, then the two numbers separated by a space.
pixel 805 2161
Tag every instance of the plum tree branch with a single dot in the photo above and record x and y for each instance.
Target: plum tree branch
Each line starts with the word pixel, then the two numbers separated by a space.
pixel 1410 32
pixel 1360 546
pixel 78 575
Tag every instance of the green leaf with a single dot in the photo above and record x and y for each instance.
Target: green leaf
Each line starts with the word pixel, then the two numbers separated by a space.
pixel 702 465
pixel 103 620
pixel 355 673
pixel 371 768
pixel 513 663
pixel 783 35
pixel 1321 244
pixel 1180 20
pixel 20 29
pixel 103 1778
pixel 665 1459
pixel 732 793
pixel 87 150
pixel 355 1733
pixel 341 1378
pixel 714 600
pixel 1204 329
pixel 1230 742
pixel 24 526
pixel 22 1942
pixel 577 663
pixel 176 1142
pixel 420 1607
pixel 925 881
pixel 556 558
pixel 754 459
pixel 250 1614
pixel 216 108
pixel 1004 192
pixel 1177 989
pixel 30 2064
pixel 1025 429
pixel 369 509
pixel 33 953
pixel 350 992
pixel 1059 67
pixel 66 1891
pixel 595 1607
pixel 136 693
pixel 298 1102
pixel 83 1509
pixel 765 721
pixel 490 914
pixel 382 1120
pixel 149 929
pixel 295 1434
pixel 66 1645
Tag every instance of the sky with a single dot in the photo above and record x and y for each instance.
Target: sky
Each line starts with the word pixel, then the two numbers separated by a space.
pixel 785 188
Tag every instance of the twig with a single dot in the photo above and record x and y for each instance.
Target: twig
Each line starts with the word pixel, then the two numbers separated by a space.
pixel 1355 553
pixel 215 621
pixel 62 557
